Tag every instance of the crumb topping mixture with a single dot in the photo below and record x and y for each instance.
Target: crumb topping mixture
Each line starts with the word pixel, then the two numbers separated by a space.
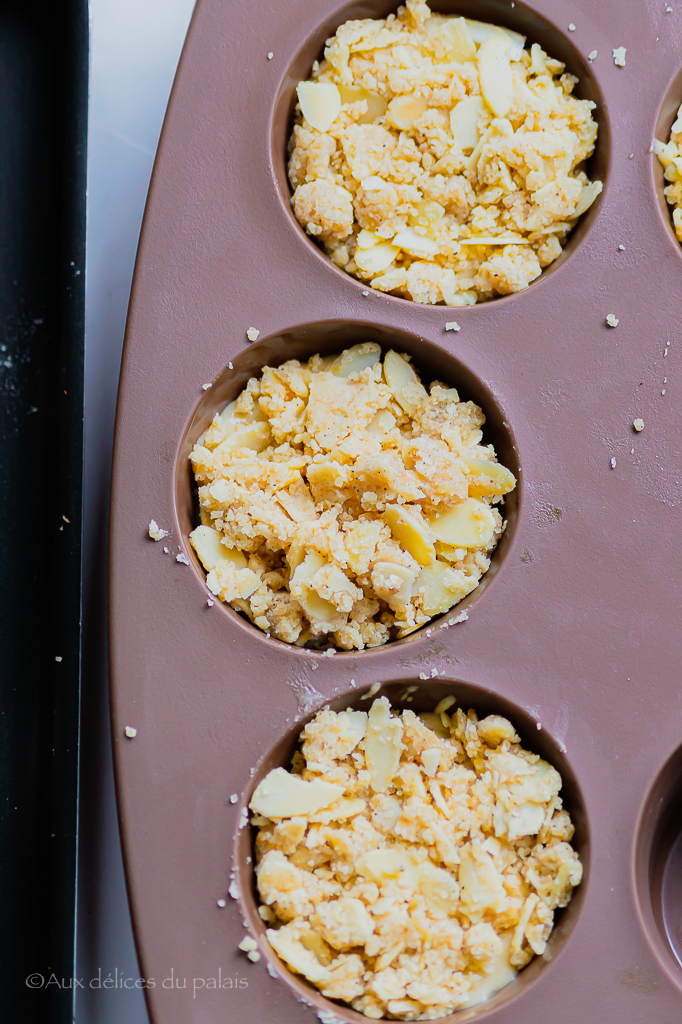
pixel 342 502
pixel 410 864
pixel 438 158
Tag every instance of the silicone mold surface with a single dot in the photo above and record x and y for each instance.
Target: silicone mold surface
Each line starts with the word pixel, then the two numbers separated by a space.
pixel 578 626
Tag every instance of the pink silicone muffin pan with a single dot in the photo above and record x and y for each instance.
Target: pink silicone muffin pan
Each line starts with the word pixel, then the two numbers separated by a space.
pixel 576 625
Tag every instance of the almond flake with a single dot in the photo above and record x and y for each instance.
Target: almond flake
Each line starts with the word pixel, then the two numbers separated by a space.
pixel 320 103
pixel 383 744
pixel 282 795
pixel 495 76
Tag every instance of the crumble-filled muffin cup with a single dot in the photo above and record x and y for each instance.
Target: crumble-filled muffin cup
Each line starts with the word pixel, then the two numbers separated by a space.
pixel 670 156
pixel 341 502
pixel 411 864
pixel 437 158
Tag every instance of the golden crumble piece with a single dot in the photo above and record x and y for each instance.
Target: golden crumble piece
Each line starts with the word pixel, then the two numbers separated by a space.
pixel 411 865
pixel 440 158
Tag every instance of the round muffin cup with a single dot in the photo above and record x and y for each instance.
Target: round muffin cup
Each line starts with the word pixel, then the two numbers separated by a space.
pixel 667 112
pixel 521 18
pixel 424 696
pixel 331 337
pixel 581 629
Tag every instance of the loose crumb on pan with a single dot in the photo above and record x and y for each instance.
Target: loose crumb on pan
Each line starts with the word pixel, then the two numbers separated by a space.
pixel 638 425
pixel 439 158
pixel 592 55
pixel 571 27
pixel 452 325
pixel 155 531
pixel 130 732
pixel 619 56
pixel 411 864
pixel 342 503
pixel 670 156
pixel 182 558
pixel 253 333
pixel 612 320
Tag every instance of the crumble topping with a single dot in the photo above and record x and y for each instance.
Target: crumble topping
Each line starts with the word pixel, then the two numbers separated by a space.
pixel 411 864
pixel 342 502
pixel 439 158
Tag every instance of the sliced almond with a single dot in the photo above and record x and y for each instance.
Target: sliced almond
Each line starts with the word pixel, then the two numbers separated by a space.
pixel 412 535
pixel 489 478
pixel 481 31
pixel 208 545
pixel 416 245
pixel 378 865
pixel 393 583
pixel 283 795
pixel 459 40
pixel 315 607
pixel 368 239
pixel 587 197
pixel 383 744
pixel 373 183
pixel 429 213
pixel 495 76
pixel 435 723
pixel 470 524
pixel 376 104
pixel 320 103
pixel 481 884
pixel 377 259
pixel 464 118
pixel 430 759
pixel 401 378
pixel 381 422
pixel 297 502
pixel 438 887
pixel 255 436
pixel 356 358
pixel 403 111
pixel 439 587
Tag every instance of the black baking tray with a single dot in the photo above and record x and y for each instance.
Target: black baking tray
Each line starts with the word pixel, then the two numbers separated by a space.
pixel 43 124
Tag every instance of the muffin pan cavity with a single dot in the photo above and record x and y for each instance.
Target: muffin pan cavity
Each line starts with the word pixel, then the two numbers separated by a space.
pixel 518 17
pixel 665 118
pixel 658 866
pixel 419 696
pixel 331 337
